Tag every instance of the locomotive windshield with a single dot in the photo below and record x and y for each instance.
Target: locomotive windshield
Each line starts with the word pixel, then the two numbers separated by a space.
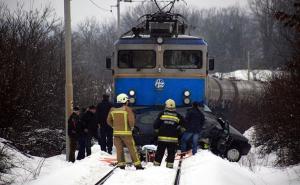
pixel 136 59
pixel 183 59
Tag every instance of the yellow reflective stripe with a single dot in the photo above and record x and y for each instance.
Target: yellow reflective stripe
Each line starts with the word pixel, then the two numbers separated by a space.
pixel 112 115
pixel 138 162
pixel 170 139
pixel 125 121
pixel 122 133
pixel 168 117
pixel 119 111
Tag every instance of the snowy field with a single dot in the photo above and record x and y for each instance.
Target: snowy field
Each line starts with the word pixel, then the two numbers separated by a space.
pixel 203 168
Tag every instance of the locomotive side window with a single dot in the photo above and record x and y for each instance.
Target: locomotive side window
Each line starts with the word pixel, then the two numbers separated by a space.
pixel 136 59
pixel 183 59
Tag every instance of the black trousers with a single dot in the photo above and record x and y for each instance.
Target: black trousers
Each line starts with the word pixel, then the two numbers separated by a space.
pixel 161 147
pixel 73 146
pixel 106 138
pixel 84 146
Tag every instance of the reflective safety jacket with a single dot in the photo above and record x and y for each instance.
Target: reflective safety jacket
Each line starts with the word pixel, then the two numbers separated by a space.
pixel 121 120
pixel 168 126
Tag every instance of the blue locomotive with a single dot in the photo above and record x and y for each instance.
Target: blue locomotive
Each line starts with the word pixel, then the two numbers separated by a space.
pixel 159 62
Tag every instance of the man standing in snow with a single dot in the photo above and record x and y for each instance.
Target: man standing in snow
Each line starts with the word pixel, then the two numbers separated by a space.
pixel 73 122
pixel 167 127
pixel 121 119
pixel 106 132
pixel 88 130
pixel 194 122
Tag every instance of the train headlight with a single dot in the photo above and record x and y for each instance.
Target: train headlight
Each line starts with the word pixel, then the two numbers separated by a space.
pixel 159 40
pixel 187 101
pixel 132 100
pixel 186 93
pixel 131 93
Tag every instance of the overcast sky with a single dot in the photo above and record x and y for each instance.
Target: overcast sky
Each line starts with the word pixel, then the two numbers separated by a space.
pixel 82 9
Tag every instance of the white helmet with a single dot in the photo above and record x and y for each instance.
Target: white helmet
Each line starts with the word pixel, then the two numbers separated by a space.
pixel 170 104
pixel 122 98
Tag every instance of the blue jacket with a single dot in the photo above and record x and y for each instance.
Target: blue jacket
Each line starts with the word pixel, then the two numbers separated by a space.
pixel 194 120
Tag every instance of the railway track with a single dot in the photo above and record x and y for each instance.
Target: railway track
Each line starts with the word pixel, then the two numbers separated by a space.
pixel 107 176
pixel 110 174
pixel 178 172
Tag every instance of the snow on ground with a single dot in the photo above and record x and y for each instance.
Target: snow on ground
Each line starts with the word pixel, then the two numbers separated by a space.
pixel 151 176
pixel 59 172
pixel 264 168
pixel 203 168
pixel 26 167
pixel 262 75
pixel 206 168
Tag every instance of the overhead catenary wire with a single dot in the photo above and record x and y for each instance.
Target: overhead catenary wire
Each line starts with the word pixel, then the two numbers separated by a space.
pixel 99 7
pixel 143 1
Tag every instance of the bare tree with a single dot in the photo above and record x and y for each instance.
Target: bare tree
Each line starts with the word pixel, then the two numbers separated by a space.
pixel 277 119
pixel 93 42
pixel 31 73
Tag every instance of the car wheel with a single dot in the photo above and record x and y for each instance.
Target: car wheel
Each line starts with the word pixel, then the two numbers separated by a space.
pixel 233 155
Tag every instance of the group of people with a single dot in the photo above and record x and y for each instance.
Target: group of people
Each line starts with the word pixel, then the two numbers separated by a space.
pixel 86 124
pixel 117 123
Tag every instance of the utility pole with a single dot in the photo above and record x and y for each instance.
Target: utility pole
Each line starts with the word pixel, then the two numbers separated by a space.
pixel 248 64
pixel 118 17
pixel 119 14
pixel 69 84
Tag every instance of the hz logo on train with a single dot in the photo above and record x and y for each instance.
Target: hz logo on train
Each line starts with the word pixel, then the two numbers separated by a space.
pixel 159 84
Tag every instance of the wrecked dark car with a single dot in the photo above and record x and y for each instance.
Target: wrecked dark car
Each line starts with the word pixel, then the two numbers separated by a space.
pixel 220 137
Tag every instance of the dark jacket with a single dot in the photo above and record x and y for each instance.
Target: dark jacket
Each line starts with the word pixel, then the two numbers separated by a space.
pixel 102 112
pixel 168 126
pixel 89 122
pixel 194 120
pixel 73 125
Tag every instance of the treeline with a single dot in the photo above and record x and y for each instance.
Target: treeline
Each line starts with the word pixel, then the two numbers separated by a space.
pixel 276 114
pixel 277 119
pixel 32 75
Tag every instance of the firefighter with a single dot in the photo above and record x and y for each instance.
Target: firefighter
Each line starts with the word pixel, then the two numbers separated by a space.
pixel 167 126
pixel 122 120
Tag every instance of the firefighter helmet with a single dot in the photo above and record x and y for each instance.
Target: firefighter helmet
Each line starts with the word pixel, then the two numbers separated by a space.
pixel 170 104
pixel 122 98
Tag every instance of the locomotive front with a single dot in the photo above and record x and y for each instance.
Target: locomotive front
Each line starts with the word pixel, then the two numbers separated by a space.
pixel 152 70
pixel 156 62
